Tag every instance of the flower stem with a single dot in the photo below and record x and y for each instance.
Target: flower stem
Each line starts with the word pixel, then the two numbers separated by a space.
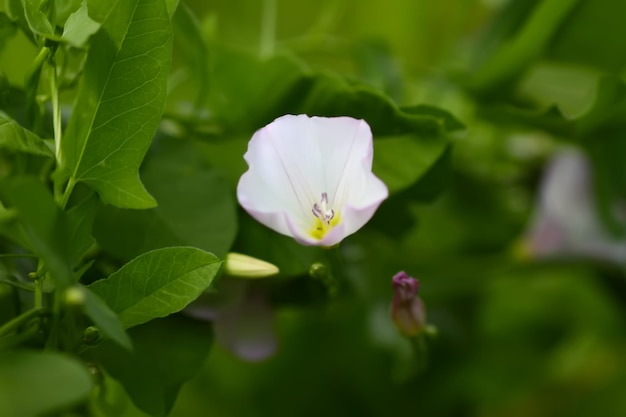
pixel 56 112
pixel 268 29
pixel 19 320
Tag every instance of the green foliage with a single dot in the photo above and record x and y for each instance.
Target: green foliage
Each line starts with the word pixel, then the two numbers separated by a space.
pixel 167 352
pixel 29 383
pixel 121 96
pixel 123 126
pixel 157 283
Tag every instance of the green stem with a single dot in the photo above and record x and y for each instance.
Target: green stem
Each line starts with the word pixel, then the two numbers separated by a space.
pixel 38 296
pixel 18 321
pixel 268 28
pixel 67 193
pixel 53 337
pixel 56 112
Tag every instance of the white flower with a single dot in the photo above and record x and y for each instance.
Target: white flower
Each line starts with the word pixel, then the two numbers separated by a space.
pixel 311 178
pixel 566 220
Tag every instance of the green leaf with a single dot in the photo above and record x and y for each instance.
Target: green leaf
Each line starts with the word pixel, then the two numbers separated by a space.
pixel 81 218
pixel 401 160
pixel 196 206
pixel 167 353
pixel 172 6
pixel 79 27
pixel 593 35
pixel 16 138
pixel 105 319
pixel 44 225
pixel 157 283
pixel 38 383
pixel 119 102
pixel 37 18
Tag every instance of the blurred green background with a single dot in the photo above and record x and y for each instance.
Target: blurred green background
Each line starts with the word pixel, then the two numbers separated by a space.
pixel 521 331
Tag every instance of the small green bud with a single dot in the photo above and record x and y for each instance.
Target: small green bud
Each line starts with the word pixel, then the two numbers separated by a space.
pixel 74 297
pixel 91 335
pixel 244 266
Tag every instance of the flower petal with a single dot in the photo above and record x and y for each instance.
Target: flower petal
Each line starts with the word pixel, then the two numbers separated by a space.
pixel 298 162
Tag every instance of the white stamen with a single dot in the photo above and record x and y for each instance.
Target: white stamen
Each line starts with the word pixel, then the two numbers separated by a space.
pixel 321 211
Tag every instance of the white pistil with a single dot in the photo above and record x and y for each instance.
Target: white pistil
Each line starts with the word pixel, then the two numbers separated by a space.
pixel 321 210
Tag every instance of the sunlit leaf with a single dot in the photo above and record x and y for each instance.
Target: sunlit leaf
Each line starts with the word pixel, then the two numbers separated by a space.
pixel 119 102
pixel 79 27
pixel 157 283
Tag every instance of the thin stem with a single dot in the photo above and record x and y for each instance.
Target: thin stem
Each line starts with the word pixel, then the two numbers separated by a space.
pixel 53 337
pixel 66 194
pixel 268 29
pixel 38 296
pixel 56 112
pixel 18 321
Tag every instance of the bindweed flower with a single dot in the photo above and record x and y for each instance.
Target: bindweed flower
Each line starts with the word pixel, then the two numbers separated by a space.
pixel 565 221
pixel 311 178
pixel 407 309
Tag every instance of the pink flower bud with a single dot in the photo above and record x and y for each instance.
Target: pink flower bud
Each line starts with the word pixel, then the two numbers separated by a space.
pixel 407 309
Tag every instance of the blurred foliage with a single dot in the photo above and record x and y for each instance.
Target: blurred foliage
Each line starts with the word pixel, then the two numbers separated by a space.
pixel 468 101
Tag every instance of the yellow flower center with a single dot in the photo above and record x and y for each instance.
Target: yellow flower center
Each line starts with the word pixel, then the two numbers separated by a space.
pixel 325 218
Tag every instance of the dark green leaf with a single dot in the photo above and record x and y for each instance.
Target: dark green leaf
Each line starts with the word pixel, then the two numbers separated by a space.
pixel 167 352
pixel 157 283
pixel 119 102
pixel 16 138
pixel 44 225
pixel 37 383
pixel 81 218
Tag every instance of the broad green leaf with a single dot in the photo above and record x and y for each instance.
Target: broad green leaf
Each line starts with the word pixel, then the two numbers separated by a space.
pixel 157 283
pixel 119 102
pixel 79 27
pixel 81 218
pixel 167 353
pixel 44 225
pixel 105 319
pixel 401 160
pixel 196 206
pixel 172 6
pixel 14 137
pixel 40 383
